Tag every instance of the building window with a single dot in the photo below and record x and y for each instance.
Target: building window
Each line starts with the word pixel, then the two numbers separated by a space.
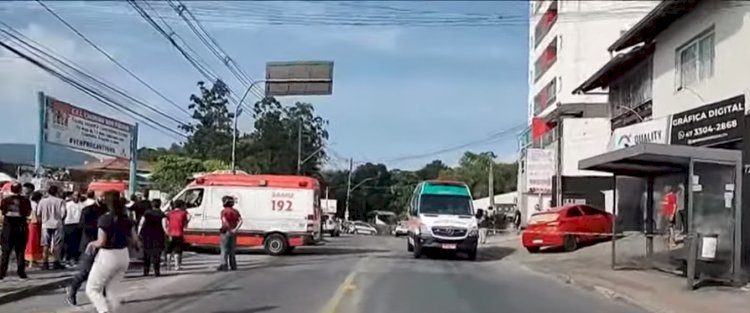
pixel 545 23
pixel 630 95
pixel 546 60
pixel 546 96
pixel 695 61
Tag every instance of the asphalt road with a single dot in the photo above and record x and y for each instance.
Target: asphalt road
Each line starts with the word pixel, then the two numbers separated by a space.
pixel 348 275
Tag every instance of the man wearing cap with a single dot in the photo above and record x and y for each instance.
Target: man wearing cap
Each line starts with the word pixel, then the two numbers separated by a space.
pixel 15 210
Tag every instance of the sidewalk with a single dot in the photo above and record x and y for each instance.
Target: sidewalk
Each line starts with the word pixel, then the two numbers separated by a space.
pixel 13 288
pixel 652 290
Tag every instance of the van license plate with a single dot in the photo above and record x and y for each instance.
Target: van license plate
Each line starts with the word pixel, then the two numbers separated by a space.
pixel 449 246
pixel 537 241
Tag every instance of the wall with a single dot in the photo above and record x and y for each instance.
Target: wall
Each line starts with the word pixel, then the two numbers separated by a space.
pixel 583 138
pixel 731 22
pixel 580 52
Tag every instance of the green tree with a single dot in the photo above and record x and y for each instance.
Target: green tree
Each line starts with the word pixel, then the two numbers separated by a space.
pixel 153 154
pixel 172 172
pixel 403 186
pixel 215 165
pixel 210 135
pixel 432 170
pixel 272 146
pixel 473 169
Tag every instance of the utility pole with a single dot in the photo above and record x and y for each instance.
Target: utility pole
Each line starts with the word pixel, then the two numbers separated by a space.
pixel 299 146
pixel 348 188
pixel 558 165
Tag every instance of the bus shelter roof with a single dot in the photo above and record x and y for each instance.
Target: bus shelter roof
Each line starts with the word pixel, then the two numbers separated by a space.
pixel 651 159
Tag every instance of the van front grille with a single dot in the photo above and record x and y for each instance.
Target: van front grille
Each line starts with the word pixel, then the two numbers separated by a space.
pixel 443 231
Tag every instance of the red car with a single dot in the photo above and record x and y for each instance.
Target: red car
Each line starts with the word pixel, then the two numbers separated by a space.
pixel 566 227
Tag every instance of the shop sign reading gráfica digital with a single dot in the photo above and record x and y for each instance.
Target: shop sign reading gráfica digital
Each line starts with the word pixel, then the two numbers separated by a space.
pixel 710 124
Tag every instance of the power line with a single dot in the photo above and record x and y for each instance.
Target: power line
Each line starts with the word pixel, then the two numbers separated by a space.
pixel 108 56
pixel 202 69
pixel 491 138
pixel 24 40
pixel 91 91
pixel 212 44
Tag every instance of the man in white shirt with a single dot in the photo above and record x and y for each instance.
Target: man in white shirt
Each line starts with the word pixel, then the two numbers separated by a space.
pixel 51 212
pixel 73 208
pixel 90 198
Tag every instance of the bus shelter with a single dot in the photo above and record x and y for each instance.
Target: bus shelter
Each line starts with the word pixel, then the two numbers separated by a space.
pixel 707 244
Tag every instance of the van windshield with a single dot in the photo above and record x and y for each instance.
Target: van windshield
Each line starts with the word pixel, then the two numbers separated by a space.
pixel 445 204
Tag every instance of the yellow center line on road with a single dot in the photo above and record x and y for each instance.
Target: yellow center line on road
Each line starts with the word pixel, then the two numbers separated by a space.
pixel 338 295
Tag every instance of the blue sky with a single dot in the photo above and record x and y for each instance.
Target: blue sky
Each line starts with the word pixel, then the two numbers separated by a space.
pixel 398 90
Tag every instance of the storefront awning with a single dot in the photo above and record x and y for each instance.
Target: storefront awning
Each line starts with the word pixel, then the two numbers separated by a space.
pixel 651 159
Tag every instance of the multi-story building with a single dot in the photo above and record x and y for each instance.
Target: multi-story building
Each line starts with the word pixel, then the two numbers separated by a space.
pixel 568 41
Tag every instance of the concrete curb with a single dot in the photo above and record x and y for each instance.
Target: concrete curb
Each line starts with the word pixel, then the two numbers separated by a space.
pixel 22 293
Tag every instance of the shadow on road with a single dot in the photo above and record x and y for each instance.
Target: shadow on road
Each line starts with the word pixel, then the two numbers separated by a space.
pixel 333 251
pixel 250 310
pixel 183 295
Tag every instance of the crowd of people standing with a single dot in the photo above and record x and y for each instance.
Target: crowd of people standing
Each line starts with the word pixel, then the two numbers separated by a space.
pixel 96 233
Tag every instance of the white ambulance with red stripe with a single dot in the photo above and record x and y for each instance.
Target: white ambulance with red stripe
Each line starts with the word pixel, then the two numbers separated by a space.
pixel 279 212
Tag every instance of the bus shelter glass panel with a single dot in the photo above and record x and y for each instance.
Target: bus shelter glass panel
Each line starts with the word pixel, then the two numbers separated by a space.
pixel 712 222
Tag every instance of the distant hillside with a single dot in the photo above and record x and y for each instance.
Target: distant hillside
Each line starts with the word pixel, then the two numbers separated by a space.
pixel 54 156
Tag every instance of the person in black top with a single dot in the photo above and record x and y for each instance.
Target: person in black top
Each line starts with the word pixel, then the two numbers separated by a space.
pixel 152 234
pixel 88 223
pixel 15 210
pixel 116 232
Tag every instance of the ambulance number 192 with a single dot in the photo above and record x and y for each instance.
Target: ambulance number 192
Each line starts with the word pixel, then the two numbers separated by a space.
pixel 281 205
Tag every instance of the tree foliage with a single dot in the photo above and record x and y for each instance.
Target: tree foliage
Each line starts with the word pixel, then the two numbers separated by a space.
pixel 272 146
pixel 269 147
pixel 210 134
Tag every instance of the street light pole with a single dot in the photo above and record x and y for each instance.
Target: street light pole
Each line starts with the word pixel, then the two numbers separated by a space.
pixel 349 190
pixel 299 146
pixel 234 131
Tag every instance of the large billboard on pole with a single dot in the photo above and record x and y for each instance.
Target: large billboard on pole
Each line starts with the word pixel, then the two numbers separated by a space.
pixel 77 128
pixel 300 78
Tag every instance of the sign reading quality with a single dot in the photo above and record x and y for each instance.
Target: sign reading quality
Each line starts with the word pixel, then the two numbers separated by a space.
pixel 653 131
pixel 719 122
pixel 73 127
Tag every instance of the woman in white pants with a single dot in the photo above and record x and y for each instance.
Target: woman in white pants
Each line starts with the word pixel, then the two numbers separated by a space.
pixel 115 233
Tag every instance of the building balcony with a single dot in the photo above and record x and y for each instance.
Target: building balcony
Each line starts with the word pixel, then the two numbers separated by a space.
pixel 548 19
pixel 545 97
pixel 546 60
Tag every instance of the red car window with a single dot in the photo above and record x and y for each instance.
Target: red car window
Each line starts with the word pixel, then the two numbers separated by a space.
pixel 573 212
pixel 587 210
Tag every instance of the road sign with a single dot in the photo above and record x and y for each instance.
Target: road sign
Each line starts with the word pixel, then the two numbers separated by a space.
pixel 77 128
pixel 304 78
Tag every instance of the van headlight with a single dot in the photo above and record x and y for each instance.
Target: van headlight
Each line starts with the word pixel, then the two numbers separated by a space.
pixel 474 232
pixel 423 229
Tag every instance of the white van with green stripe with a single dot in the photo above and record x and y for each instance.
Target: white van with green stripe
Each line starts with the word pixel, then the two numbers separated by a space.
pixel 441 216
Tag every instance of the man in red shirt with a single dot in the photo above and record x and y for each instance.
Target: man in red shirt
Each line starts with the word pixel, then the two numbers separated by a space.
pixel 668 209
pixel 231 220
pixel 176 222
